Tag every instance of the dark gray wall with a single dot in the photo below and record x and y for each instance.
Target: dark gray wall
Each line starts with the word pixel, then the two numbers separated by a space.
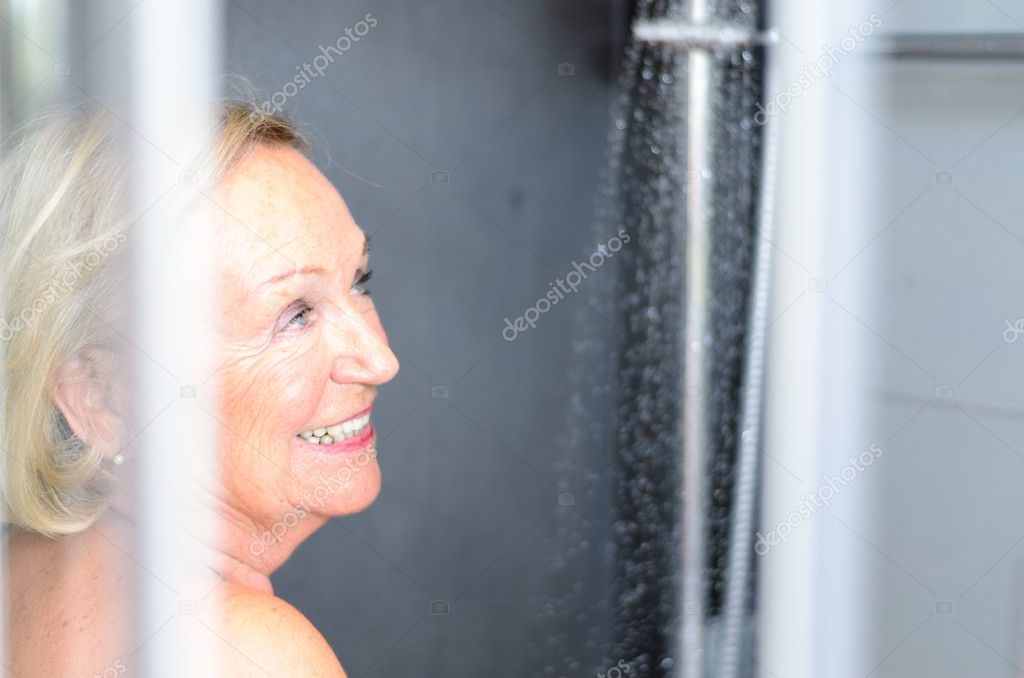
pixel 468 513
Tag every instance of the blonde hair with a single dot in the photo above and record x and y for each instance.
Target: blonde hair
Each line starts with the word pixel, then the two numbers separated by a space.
pixel 63 214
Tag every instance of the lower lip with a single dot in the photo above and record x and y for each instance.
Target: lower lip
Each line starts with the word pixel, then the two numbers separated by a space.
pixel 356 444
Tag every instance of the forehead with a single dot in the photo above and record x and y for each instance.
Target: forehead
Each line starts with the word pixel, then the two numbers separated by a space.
pixel 275 210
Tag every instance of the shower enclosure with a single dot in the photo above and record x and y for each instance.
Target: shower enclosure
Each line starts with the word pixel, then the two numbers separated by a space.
pixel 707 312
pixel 779 298
pixel 686 155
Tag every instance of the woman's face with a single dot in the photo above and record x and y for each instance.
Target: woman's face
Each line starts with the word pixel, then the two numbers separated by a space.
pixel 302 346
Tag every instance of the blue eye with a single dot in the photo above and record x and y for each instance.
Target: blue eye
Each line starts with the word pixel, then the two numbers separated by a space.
pixel 359 287
pixel 303 315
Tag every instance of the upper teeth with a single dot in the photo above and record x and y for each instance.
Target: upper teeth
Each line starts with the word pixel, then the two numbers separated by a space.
pixel 343 431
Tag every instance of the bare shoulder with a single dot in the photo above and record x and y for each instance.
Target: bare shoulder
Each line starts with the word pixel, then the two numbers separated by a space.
pixel 272 637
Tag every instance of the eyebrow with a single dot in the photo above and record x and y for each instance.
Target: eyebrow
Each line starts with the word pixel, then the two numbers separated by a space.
pixel 306 270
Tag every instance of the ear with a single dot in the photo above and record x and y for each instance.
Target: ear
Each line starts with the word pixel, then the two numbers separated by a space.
pixel 83 390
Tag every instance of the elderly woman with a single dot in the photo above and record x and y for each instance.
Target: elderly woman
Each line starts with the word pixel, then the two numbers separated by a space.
pixel 300 350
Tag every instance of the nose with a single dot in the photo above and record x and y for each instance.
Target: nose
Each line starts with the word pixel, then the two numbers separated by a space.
pixel 360 346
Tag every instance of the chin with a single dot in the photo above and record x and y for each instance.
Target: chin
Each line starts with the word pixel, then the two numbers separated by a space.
pixel 361 491
pixel 336 484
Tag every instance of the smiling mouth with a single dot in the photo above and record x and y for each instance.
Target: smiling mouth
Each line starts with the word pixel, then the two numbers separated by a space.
pixel 344 430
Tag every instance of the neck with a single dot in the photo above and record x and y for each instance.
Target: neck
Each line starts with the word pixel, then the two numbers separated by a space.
pixel 250 551
pixel 222 541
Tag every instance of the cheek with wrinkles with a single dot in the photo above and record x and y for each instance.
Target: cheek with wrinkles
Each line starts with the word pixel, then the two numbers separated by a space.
pixel 266 396
pixel 272 391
